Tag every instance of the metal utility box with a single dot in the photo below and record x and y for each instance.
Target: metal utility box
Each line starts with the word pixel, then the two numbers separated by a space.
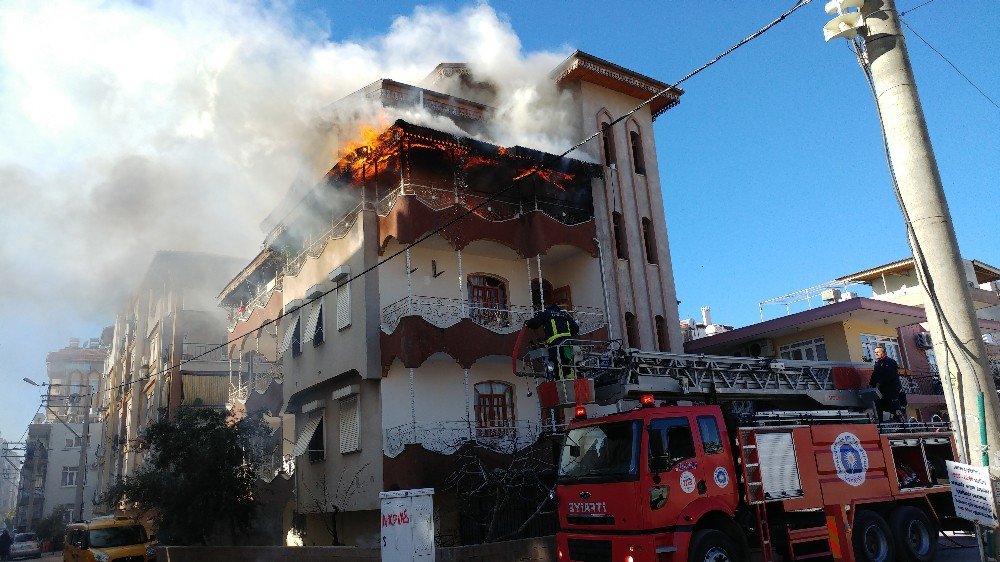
pixel 408 525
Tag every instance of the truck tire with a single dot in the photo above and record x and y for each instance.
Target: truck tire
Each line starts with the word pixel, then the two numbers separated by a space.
pixel 872 540
pixel 710 545
pixel 915 533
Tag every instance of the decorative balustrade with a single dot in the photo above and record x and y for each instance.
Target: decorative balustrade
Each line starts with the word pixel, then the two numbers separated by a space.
pixel 242 313
pixel 216 352
pixel 445 312
pixel 497 210
pixel 315 247
pixel 446 437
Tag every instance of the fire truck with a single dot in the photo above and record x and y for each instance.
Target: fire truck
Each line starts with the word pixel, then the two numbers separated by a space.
pixel 674 457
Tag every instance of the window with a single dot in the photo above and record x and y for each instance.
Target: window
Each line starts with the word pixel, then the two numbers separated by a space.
pixel 494 407
pixel 316 448
pixel 809 350
pixel 609 145
pixel 68 513
pixel 69 476
pixel 74 441
pixel 563 297
pixel 297 338
pixel 931 359
pixel 631 330
pixel 543 298
pixel 711 440
pixel 649 241
pixel 618 232
pixel 670 442
pixel 488 300
pixel 661 333
pixel 638 159
pixel 343 306
pixel 318 332
pixel 869 342
pixel 350 424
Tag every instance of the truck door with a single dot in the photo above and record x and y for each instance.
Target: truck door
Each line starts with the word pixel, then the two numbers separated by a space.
pixel 717 462
pixel 674 478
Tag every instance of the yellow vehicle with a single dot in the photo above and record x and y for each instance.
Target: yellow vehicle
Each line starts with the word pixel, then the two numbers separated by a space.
pixel 108 539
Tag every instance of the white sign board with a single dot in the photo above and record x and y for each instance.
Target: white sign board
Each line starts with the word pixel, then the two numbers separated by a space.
pixel 972 492
pixel 408 525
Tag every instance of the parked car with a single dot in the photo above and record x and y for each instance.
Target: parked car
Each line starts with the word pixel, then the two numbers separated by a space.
pixel 107 539
pixel 25 545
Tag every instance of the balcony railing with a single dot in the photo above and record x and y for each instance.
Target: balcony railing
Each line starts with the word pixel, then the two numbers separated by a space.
pixel 242 313
pixel 498 210
pixel 204 352
pixel 445 312
pixel 446 437
pixel 313 247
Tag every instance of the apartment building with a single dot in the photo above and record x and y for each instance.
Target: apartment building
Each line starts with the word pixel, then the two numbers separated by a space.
pixel 170 317
pixel 395 362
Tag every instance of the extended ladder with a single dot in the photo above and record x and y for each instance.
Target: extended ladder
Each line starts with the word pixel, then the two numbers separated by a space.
pixel 753 485
pixel 620 373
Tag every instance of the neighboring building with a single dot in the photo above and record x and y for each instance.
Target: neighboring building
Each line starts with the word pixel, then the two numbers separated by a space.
pixel 392 377
pixel 74 374
pixel 691 329
pixel 170 317
pixel 31 491
pixel 847 328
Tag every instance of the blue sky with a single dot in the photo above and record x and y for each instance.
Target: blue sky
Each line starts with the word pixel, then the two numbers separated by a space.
pixel 772 170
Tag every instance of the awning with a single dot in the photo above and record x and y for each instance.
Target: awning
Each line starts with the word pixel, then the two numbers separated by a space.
pixel 302 443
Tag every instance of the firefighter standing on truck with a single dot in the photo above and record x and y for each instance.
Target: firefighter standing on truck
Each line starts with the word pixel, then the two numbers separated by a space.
pixel 559 326
pixel 885 377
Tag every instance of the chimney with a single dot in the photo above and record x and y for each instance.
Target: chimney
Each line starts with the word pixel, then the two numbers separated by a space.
pixel 706 315
pixel 74 342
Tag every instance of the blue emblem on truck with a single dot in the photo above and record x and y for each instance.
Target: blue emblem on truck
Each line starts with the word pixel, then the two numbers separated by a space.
pixel 850 458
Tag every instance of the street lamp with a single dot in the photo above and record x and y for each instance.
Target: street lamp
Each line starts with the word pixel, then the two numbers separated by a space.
pixel 31 382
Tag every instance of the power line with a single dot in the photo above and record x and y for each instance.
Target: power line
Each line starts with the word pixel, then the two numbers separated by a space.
pixel 917 7
pixel 940 54
pixel 534 170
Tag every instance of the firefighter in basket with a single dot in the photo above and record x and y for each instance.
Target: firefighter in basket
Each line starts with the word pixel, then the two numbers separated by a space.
pixel 559 327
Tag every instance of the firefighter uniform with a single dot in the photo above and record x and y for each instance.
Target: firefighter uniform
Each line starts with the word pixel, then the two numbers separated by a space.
pixel 559 326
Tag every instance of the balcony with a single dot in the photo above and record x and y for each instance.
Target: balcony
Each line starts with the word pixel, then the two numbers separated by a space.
pixel 446 437
pixel 444 312
pixel 242 313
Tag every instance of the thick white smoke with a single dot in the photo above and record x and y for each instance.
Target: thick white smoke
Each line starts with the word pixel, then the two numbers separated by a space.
pixel 132 127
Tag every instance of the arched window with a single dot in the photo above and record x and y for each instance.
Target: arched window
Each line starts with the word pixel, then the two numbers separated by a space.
pixel 618 233
pixel 661 333
pixel 638 159
pixel 488 300
pixel 649 241
pixel 494 407
pixel 608 139
pixel 631 330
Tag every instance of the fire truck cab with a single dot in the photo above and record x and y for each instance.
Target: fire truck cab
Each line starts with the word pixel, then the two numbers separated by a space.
pixel 675 483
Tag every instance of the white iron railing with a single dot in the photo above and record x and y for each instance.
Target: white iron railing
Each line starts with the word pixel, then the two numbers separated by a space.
pixel 446 437
pixel 445 312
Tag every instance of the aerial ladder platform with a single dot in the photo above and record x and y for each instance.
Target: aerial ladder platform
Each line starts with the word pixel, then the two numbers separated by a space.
pixel 605 372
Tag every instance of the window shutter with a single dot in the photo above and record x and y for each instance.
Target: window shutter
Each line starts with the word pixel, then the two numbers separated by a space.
pixel 343 306
pixel 312 320
pixel 350 424
pixel 286 341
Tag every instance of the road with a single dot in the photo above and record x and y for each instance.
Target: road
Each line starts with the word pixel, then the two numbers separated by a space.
pixel 948 551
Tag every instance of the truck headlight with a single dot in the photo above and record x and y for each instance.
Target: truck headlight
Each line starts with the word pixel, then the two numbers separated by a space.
pixel 100 557
pixel 151 551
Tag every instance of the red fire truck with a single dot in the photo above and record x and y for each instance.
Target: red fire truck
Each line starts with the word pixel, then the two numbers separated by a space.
pixel 659 481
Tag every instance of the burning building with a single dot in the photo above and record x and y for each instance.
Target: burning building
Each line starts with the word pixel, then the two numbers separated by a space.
pixel 394 372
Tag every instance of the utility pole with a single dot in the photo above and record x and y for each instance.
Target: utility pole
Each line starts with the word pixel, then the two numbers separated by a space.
pixel 970 390
pixel 81 475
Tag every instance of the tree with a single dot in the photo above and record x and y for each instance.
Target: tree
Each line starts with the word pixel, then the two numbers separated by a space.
pixel 51 527
pixel 198 475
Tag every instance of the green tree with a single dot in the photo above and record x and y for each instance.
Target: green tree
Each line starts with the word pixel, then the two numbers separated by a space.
pixel 52 527
pixel 197 477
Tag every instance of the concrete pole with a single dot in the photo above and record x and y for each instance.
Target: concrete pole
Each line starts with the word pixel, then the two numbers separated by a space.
pixel 81 471
pixel 950 312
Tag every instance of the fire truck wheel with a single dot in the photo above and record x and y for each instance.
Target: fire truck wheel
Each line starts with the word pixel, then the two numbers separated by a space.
pixel 709 545
pixel 871 538
pixel 915 533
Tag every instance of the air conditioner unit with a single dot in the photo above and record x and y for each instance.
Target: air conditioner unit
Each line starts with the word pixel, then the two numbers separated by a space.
pixel 924 340
pixel 830 295
pixel 760 348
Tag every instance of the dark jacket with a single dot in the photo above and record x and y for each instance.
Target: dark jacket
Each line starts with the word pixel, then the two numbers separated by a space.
pixel 885 377
pixel 557 323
